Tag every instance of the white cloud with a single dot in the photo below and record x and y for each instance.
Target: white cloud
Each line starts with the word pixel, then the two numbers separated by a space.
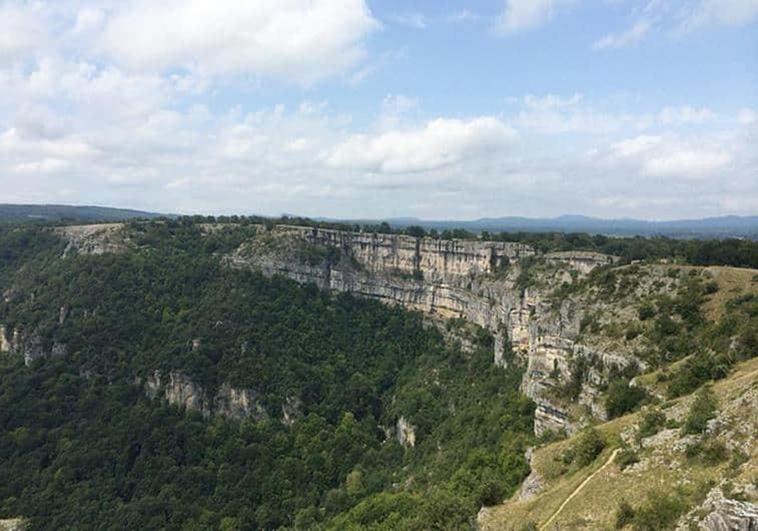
pixel 441 142
pixel 14 143
pixel 302 40
pixel 687 159
pixel 627 38
pixel 747 116
pixel 88 20
pixel 719 13
pixel 21 30
pixel 412 20
pixel 686 163
pixel 521 15
pixel 556 114
pixel 551 101
pixel 636 146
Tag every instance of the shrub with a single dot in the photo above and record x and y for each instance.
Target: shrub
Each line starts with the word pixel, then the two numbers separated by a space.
pixel 660 511
pixel 646 311
pixel 710 287
pixel 624 515
pixel 710 452
pixel 702 410
pixel 623 398
pixel 697 370
pixel 588 447
pixel 652 423
pixel 626 458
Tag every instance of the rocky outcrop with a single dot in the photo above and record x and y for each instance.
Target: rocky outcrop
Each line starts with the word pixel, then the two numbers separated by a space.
pixel 94 239
pixel 14 524
pixel 291 410
pixel 582 261
pixel 470 279
pixel 723 514
pixel 29 346
pixel 238 404
pixel 181 391
pixel 406 433
pixel 533 484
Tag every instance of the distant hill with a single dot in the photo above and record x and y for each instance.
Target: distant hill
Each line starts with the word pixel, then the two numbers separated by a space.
pixel 15 213
pixel 715 227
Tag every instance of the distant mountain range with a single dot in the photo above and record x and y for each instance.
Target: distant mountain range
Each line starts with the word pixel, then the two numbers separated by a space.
pixel 69 213
pixel 714 227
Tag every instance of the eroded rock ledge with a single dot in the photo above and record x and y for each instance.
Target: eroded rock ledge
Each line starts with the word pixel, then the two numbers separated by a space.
pixel 470 279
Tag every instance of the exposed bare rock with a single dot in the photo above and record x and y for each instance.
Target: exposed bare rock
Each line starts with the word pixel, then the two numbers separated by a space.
pixel 12 295
pixel 723 514
pixel 5 344
pixel 291 410
pixel 63 313
pixel 582 261
pixel 14 524
pixel 533 483
pixel 548 418
pixel 406 433
pixel 470 279
pixel 238 404
pixel 178 390
pixel 94 239
pixel 28 346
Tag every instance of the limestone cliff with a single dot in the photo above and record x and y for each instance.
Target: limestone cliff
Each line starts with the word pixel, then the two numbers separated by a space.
pixel 28 345
pixel 180 390
pixel 471 279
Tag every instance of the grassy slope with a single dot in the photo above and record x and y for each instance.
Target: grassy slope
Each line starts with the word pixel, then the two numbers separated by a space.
pixel 595 505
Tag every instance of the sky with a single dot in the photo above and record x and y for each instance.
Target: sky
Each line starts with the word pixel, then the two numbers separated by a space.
pixel 383 108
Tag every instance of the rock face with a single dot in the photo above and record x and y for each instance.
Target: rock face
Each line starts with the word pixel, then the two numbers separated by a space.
pixel 728 515
pixel 532 485
pixel 29 346
pixel 179 390
pixel 13 524
pixel 470 279
pixel 406 433
pixel 237 404
pixel 94 239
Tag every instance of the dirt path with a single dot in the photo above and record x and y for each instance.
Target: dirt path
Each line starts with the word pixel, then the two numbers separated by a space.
pixel 579 488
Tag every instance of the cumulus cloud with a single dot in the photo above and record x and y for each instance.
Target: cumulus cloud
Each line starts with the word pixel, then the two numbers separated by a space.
pixel 304 40
pixel 439 143
pixel 657 156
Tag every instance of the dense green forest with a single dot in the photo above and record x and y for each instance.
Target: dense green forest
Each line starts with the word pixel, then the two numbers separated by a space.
pixel 81 446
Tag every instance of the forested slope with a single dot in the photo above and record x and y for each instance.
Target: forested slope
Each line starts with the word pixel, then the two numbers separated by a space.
pixel 83 445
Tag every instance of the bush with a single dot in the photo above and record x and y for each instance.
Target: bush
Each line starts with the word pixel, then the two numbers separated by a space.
pixel 588 447
pixel 697 370
pixel 623 398
pixel 660 511
pixel 646 311
pixel 626 458
pixel 652 423
pixel 702 410
pixel 711 452
pixel 624 515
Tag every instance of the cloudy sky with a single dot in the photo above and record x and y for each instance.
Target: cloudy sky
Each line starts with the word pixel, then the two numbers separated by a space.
pixel 380 108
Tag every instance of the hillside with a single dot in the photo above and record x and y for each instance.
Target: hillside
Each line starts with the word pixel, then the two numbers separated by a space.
pixel 69 213
pixel 650 473
pixel 181 373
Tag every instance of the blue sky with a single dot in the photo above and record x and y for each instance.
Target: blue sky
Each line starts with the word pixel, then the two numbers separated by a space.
pixel 360 108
